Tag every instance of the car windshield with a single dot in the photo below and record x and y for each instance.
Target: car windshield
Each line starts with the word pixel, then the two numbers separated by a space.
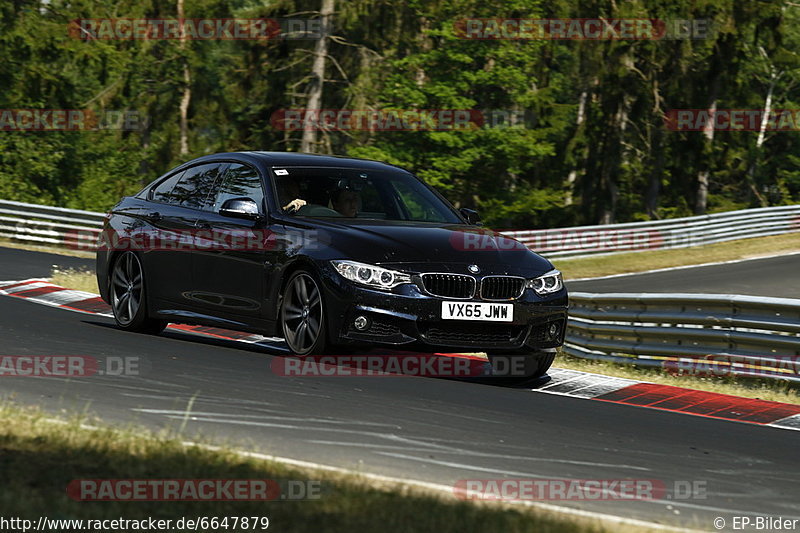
pixel 359 194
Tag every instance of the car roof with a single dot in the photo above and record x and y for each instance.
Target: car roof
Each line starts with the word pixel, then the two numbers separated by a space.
pixel 293 159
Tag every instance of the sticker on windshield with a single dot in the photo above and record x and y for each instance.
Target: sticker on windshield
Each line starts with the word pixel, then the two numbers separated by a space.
pixel 281 172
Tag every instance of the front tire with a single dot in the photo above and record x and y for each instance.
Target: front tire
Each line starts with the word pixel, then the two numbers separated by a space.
pixel 524 364
pixel 303 316
pixel 129 298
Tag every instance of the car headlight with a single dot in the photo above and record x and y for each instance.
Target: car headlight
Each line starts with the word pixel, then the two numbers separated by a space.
pixel 547 283
pixel 370 275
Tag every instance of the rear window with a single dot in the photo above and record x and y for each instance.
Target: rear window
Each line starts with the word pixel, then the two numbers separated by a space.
pixel 196 185
pixel 189 188
pixel 161 192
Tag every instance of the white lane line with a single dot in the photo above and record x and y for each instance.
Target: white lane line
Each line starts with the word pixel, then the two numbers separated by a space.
pixel 147 396
pixel 454 415
pixel 450 450
pixel 281 426
pixel 446 489
pixel 790 422
pixel 684 267
pixel 465 466
pixel 375 446
pixel 192 414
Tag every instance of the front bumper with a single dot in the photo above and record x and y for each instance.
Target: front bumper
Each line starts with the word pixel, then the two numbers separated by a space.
pixel 407 316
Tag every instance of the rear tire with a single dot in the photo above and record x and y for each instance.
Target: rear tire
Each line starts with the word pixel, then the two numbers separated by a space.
pixel 524 364
pixel 128 295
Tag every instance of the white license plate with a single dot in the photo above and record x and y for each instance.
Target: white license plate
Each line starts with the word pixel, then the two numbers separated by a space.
pixel 477 311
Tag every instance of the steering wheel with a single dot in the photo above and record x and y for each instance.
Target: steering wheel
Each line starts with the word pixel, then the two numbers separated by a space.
pixel 316 210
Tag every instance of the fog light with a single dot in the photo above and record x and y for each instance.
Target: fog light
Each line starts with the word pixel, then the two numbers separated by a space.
pixel 553 331
pixel 361 323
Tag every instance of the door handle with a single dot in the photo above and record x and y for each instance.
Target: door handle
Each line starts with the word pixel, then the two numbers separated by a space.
pixel 202 224
pixel 153 217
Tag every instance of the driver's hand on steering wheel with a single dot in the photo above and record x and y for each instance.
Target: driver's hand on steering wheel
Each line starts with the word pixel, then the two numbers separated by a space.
pixel 294 205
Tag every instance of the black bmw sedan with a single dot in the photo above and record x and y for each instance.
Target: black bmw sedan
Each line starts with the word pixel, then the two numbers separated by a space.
pixel 325 252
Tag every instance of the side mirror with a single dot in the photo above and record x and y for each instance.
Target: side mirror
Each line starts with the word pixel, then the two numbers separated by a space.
pixel 240 208
pixel 471 216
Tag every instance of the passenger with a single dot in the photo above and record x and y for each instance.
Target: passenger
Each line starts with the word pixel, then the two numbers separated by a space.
pixel 345 201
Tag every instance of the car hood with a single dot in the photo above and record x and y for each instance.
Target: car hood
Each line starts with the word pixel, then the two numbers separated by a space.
pixel 419 247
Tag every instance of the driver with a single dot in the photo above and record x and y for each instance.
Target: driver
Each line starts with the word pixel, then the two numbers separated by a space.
pixel 289 194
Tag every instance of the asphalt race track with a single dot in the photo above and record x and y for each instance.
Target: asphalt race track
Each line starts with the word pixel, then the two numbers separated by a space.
pixel 773 276
pixel 426 429
pixel 22 264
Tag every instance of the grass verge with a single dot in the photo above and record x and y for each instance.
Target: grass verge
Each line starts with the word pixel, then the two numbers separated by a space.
pixel 763 389
pixel 40 458
pixel 85 254
pixel 71 278
pixel 641 261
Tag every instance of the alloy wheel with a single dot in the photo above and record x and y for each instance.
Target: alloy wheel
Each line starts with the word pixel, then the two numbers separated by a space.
pixel 126 288
pixel 302 313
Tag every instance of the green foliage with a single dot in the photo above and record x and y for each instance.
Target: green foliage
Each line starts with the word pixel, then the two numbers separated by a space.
pixel 589 144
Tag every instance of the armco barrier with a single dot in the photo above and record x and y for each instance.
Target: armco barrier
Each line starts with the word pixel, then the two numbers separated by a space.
pixel 661 234
pixel 709 334
pixel 54 226
pixel 70 227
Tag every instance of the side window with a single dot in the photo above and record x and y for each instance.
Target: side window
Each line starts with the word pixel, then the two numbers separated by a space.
pixel 161 193
pixel 195 185
pixel 240 181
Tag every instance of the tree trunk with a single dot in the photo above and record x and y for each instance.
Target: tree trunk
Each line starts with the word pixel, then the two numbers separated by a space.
pixel 186 97
pixel 701 194
pixel 617 161
pixel 425 46
pixel 569 184
pixel 309 141
pixel 144 164
pixel 655 148
pixel 762 128
pixel 654 180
